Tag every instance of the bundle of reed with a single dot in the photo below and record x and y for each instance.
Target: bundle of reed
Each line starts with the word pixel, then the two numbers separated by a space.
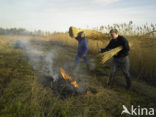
pixel 89 33
pixel 73 31
pixel 109 54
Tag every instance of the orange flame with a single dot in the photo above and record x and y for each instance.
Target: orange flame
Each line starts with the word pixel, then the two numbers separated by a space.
pixel 67 77
pixel 74 83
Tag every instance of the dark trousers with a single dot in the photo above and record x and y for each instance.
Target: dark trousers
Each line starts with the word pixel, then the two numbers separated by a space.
pixel 123 64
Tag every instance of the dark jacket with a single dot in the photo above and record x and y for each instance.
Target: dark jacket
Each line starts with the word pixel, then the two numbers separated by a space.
pixel 82 46
pixel 120 41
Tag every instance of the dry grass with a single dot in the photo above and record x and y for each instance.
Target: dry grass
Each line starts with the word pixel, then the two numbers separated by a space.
pixel 109 54
pixel 22 95
pixel 93 34
pixel 141 54
pixel 142 51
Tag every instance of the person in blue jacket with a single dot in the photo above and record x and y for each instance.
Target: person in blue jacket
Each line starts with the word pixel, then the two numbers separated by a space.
pixel 82 49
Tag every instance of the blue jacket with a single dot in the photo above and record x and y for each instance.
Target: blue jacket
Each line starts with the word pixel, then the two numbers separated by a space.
pixel 82 46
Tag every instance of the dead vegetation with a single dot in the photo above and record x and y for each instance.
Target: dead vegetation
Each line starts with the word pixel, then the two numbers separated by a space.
pixel 22 95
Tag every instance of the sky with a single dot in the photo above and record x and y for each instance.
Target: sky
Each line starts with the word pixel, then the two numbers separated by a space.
pixel 59 15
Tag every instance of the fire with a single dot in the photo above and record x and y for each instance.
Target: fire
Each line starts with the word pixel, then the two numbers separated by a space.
pixel 67 77
pixel 74 83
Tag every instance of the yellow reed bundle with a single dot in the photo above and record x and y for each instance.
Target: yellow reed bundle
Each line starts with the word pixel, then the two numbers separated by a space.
pixel 93 34
pixel 109 54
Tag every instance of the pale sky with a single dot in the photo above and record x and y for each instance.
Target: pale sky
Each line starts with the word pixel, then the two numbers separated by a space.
pixel 59 15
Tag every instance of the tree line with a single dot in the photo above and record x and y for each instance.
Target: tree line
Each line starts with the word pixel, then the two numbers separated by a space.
pixel 22 31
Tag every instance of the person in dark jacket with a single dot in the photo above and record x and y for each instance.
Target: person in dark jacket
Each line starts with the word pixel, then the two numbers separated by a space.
pixel 82 49
pixel 121 59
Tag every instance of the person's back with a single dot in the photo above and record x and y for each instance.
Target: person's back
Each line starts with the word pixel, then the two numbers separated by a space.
pixel 82 46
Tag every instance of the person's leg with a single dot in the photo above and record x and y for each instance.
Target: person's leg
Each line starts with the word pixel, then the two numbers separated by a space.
pixel 86 62
pixel 112 72
pixel 76 61
pixel 125 69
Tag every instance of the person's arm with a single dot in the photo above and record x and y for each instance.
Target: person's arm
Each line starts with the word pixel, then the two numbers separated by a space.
pixel 108 47
pixel 77 38
pixel 126 44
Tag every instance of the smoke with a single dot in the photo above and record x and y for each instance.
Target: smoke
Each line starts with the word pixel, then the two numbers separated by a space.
pixel 41 60
pixel 45 62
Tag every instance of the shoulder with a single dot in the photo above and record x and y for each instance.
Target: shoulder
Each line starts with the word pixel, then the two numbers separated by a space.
pixel 86 39
pixel 111 40
pixel 122 38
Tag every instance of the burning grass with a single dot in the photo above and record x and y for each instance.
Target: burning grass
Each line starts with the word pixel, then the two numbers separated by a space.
pixel 69 78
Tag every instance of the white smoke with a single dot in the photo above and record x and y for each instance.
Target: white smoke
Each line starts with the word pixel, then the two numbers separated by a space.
pixel 39 59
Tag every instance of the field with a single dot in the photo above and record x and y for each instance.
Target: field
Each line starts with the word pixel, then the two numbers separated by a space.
pixel 22 94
